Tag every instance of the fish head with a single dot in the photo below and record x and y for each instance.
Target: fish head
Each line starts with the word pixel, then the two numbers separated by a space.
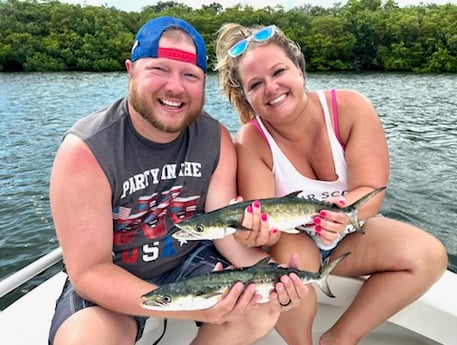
pixel 157 301
pixel 197 231
pixel 167 302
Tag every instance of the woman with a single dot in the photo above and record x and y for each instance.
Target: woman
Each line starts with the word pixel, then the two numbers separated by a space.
pixel 331 145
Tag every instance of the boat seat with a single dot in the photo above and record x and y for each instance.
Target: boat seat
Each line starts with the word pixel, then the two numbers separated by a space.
pixel 433 315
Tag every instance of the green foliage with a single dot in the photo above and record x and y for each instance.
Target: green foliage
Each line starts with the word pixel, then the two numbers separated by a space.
pixel 47 35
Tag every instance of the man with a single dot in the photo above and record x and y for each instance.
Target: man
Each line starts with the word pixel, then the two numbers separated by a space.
pixel 123 176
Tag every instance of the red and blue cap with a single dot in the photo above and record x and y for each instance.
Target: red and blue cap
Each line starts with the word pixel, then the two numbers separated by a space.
pixel 147 42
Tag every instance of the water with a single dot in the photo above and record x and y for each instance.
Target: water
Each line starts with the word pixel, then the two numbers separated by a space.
pixel 419 113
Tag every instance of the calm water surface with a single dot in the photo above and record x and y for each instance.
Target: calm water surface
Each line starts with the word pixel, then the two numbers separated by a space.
pixel 419 113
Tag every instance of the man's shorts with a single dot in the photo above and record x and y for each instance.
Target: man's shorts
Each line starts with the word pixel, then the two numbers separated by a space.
pixel 202 260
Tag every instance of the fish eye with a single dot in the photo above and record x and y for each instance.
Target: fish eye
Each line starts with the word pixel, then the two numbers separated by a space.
pixel 199 228
pixel 166 299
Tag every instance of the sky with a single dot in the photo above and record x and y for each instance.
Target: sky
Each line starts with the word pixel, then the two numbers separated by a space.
pixel 137 5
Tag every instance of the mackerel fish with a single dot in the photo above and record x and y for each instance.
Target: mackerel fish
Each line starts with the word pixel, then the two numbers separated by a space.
pixel 287 213
pixel 204 291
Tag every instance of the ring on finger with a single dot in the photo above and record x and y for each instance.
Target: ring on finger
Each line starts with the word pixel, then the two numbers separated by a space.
pixel 285 304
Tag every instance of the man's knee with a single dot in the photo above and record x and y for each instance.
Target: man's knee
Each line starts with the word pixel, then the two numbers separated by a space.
pixel 96 325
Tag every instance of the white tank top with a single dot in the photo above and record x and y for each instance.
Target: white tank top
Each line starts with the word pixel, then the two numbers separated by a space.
pixel 288 179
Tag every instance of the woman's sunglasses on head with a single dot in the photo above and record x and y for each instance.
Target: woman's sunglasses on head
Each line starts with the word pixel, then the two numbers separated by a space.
pixel 259 36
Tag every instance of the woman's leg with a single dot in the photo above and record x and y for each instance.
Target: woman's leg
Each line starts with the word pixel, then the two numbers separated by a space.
pixel 403 262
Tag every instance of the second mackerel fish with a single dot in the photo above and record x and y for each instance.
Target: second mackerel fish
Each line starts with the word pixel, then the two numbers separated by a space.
pixel 285 213
pixel 204 291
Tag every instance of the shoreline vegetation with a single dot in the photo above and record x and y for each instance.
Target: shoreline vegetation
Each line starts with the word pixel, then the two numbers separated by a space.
pixel 362 35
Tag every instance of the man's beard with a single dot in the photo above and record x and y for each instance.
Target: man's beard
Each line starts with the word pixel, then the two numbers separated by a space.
pixel 145 108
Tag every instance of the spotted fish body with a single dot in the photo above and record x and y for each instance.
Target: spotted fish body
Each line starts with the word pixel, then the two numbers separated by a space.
pixel 203 291
pixel 286 213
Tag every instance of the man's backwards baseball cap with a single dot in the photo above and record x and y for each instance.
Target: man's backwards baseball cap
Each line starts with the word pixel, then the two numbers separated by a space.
pixel 147 42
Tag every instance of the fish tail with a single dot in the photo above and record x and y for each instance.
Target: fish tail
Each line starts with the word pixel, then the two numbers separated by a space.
pixel 323 285
pixel 352 209
pixel 325 272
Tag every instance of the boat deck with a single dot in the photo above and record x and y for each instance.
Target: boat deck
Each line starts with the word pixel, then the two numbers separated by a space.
pixel 434 316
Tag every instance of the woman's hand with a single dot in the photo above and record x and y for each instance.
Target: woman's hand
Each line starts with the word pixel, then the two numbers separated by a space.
pixel 330 225
pixel 260 233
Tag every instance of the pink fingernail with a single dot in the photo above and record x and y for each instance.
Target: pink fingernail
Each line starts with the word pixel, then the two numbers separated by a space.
pixel 318 229
pixel 264 216
pixel 317 220
pixel 322 213
pixel 341 202
pixel 257 203
pixel 274 230
pixel 249 209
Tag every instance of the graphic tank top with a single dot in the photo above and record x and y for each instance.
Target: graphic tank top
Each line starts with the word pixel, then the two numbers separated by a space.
pixel 153 185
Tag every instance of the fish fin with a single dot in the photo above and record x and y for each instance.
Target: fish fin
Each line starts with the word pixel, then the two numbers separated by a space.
pixel 290 231
pixel 210 294
pixel 325 271
pixel 296 193
pixel 264 261
pixel 238 226
pixel 323 285
pixel 228 230
pixel 300 228
pixel 182 242
pixel 242 227
pixel 330 266
pixel 352 209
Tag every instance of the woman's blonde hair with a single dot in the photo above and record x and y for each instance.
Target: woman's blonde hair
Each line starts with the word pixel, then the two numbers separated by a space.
pixel 227 66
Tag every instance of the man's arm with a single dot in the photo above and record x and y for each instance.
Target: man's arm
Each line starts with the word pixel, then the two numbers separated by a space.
pixel 221 190
pixel 81 208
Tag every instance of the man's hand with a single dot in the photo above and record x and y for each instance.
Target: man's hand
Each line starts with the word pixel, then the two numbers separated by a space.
pixel 238 299
pixel 290 291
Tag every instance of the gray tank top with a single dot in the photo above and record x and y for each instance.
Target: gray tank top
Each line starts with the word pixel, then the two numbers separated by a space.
pixel 153 185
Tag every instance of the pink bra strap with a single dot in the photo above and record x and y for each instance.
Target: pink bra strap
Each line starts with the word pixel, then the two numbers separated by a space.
pixel 257 125
pixel 336 128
